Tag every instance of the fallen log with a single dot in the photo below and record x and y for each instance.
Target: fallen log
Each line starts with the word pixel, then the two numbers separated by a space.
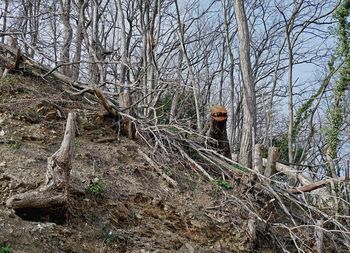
pixel 289 172
pixel 316 185
pixel 52 198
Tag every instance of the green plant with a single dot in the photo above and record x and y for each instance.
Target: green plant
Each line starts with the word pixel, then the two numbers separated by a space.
pixel 108 235
pixel 6 249
pixel 305 110
pixel 163 108
pixel 23 90
pixel 336 111
pixel 223 184
pixel 77 142
pixel 14 146
pixel 96 187
pixel 239 167
pixel 9 80
pixel 281 142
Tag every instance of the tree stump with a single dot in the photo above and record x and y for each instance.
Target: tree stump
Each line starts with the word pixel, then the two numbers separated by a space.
pixel 217 131
pixel 51 200
pixel 258 158
pixel 125 106
pixel 271 162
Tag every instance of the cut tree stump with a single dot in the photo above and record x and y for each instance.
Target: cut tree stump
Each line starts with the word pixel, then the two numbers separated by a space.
pixel 51 200
pixel 217 131
pixel 258 158
pixel 270 168
pixel 127 126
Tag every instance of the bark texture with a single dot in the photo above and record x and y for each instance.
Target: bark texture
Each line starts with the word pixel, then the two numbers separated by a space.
pixel 218 120
pixel 127 125
pixel 249 117
pixel 53 196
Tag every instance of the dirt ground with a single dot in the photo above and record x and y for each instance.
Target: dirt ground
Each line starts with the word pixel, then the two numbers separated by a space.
pixel 118 201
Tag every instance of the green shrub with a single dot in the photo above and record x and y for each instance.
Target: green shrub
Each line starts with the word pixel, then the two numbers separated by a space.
pixel 223 184
pixel 14 146
pixel 108 235
pixel 6 249
pixel 96 187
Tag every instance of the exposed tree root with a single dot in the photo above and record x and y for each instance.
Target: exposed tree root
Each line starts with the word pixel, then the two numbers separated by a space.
pixel 52 198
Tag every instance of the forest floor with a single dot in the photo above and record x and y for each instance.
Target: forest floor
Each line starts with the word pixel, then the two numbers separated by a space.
pixel 118 202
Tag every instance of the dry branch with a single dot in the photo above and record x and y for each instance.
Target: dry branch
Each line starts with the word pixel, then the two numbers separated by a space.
pixel 290 173
pixel 159 170
pixel 314 186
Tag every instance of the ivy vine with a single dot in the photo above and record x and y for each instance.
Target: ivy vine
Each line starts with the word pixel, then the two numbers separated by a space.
pixel 335 113
pixel 304 111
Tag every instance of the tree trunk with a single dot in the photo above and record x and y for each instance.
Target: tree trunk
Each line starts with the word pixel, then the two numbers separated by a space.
pixel 194 83
pixel 290 102
pixel 218 119
pixel 52 198
pixel 258 158
pixel 177 92
pixel 228 40
pixel 271 161
pixel 125 105
pixel 4 23
pixel 319 247
pixel 249 114
pixel 124 49
pixel 79 39
pixel 67 35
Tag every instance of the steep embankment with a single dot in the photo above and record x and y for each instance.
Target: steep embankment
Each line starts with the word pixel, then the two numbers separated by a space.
pixel 118 201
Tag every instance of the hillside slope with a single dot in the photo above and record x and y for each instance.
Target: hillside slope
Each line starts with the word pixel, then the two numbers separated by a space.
pixel 119 203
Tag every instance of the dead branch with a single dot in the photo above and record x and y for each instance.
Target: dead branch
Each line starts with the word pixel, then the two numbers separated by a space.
pixel 159 170
pixel 314 186
pixel 290 173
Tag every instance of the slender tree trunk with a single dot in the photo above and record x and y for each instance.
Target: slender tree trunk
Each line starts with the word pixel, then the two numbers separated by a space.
pixel 82 5
pixel 290 101
pixel 4 24
pixel 124 50
pixel 24 25
pixel 96 69
pixel 67 35
pixel 195 84
pixel 222 73
pixel 54 34
pixel 144 9
pixel 231 74
pixel 249 114
pixel 36 24
pixel 269 113
pixel 177 88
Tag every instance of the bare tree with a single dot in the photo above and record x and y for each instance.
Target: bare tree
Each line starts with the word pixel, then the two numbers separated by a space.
pixel 4 14
pixel 67 35
pixel 81 6
pixel 249 115
pixel 194 83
